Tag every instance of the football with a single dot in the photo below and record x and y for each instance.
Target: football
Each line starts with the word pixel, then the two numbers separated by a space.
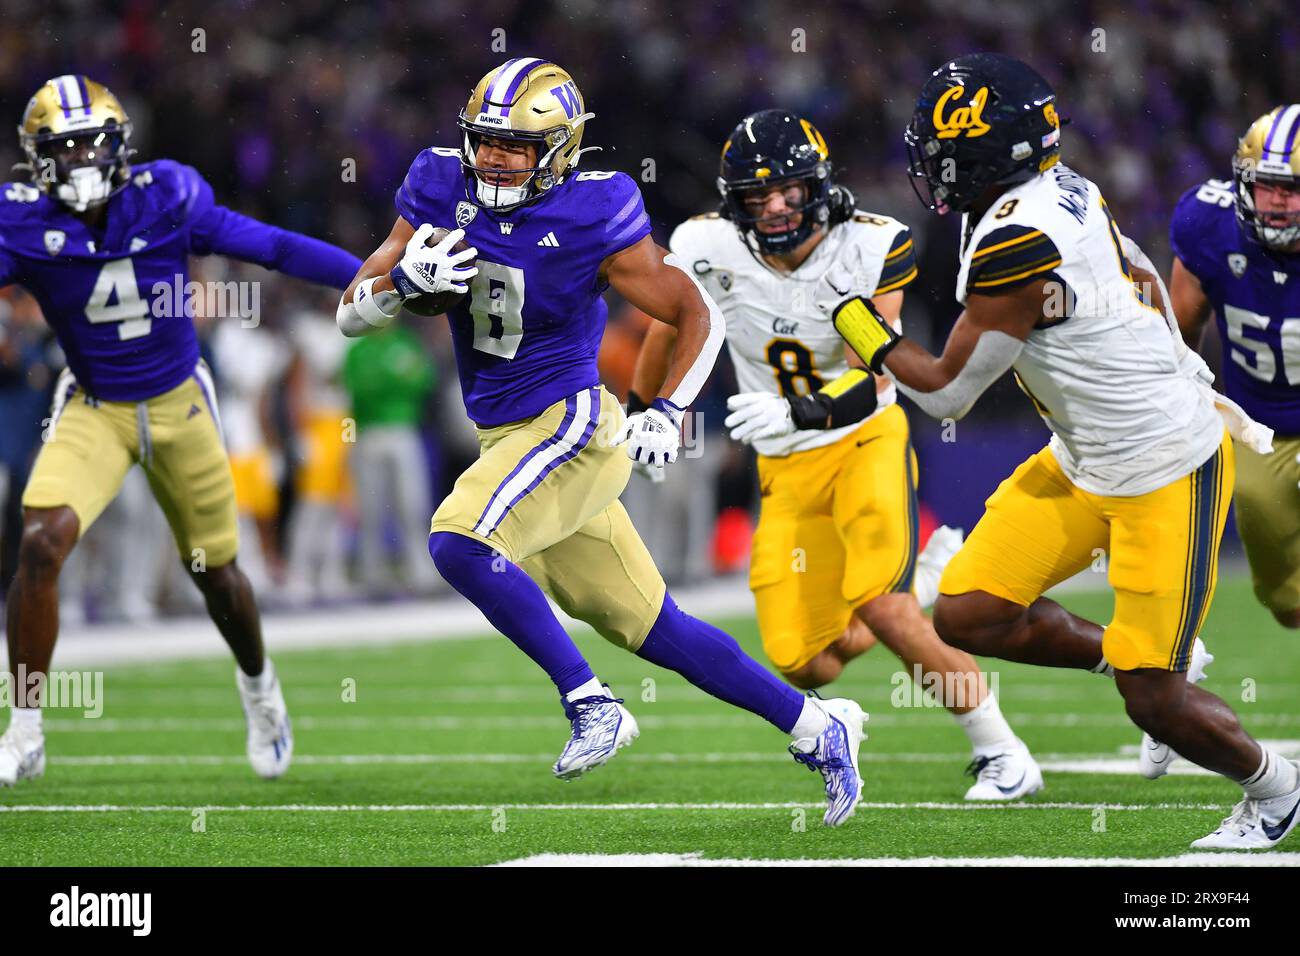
pixel 438 304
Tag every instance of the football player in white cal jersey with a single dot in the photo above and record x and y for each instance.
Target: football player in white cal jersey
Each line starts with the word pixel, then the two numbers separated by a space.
pixel 835 561
pixel 1140 464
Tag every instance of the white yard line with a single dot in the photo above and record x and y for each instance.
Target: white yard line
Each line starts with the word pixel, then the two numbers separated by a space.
pixel 644 714
pixel 328 760
pixel 698 860
pixel 578 807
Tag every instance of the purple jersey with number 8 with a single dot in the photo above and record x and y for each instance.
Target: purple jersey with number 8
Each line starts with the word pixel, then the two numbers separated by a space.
pixel 527 334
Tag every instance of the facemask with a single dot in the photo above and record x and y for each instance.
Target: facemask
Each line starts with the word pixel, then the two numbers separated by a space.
pixel 86 186
pixel 493 196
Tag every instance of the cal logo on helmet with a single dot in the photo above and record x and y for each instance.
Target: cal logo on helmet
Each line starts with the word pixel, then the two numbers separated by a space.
pixel 981 120
pixel 966 119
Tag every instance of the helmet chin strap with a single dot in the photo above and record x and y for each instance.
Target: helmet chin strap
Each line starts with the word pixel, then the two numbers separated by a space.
pixel 86 187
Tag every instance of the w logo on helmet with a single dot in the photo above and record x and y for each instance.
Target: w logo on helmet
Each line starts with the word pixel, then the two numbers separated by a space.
pixel 968 119
pixel 567 94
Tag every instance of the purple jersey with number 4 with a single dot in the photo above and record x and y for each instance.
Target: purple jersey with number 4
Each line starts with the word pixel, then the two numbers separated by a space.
pixel 1256 298
pixel 527 334
pixel 116 299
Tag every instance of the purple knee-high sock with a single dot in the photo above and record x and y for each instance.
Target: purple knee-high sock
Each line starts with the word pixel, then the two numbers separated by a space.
pixel 713 661
pixel 512 602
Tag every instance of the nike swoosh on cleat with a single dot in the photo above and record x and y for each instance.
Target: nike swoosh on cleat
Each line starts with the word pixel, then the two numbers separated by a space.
pixel 1275 833
pixel 1014 787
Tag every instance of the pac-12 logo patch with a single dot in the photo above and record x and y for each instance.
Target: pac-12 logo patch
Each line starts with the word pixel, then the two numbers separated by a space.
pixel 465 213
pixel 54 240
pixel 1237 263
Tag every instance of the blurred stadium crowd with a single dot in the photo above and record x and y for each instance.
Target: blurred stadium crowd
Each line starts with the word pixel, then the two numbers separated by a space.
pixel 273 103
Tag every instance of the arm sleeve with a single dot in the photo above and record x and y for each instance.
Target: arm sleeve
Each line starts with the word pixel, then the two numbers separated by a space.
pixel 844 401
pixel 228 233
pixel 1010 257
pixel 899 268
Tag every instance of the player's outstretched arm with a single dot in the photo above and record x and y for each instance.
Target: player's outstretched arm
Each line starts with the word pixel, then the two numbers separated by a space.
pixel 1191 305
pixel 654 281
pixel 652 364
pixel 983 345
pixel 384 298
pixel 228 233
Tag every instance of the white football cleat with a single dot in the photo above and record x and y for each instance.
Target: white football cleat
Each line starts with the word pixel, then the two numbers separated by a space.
pixel 270 733
pixel 944 543
pixel 1154 757
pixel 1255 824
pixel 601 725
pixel 834 752
pixel 22 755
pixel 1008 775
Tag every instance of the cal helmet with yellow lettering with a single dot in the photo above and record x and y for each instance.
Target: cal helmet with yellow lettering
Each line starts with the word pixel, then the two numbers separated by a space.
pixel 525 100
pixel 1269 156
pixel 981 120
pixel 77 140
pixel 773 147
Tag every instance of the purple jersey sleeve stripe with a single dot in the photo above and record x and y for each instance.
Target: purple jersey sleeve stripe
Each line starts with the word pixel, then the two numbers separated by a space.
pixel 640 222
pixel 633 202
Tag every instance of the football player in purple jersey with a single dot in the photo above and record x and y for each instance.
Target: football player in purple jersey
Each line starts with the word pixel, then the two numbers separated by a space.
pixel 538 513
pixel 1237 256
pixel 103 246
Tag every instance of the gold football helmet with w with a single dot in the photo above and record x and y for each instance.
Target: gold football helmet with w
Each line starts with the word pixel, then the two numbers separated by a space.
pixel 77 140
pixel 524 100
pixel 1266 170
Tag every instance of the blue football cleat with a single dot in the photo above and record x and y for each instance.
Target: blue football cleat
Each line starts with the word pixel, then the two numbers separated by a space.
pixel 835 753
pixel 601 725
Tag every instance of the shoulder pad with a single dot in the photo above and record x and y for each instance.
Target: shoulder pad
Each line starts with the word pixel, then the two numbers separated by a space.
pixel 1009 256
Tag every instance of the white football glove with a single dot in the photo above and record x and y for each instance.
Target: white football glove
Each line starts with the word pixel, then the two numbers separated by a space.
pixel 758 415
pixel 433 270
pixel 654 436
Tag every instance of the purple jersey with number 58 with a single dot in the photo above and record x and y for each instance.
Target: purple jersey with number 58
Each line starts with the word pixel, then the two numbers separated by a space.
pixel 1255 294
pixel 527 334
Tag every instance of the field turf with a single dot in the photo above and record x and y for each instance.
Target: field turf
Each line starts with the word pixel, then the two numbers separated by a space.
pixel 444 756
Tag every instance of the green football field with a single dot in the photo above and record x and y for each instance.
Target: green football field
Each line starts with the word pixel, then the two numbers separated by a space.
pixel 444 756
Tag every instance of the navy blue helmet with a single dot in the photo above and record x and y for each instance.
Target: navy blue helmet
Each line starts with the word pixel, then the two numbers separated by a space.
pixel 772 147
pixel 981 120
